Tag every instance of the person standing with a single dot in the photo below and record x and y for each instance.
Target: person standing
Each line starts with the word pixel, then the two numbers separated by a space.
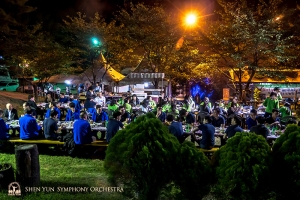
pixel 82 131
pixel 271 103
pixel 277 91
pixel 29 129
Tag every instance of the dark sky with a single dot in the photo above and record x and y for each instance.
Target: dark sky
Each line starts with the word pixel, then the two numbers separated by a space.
pixel 58 9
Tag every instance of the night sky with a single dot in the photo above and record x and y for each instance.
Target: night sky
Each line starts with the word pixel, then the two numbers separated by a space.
pixel 58 9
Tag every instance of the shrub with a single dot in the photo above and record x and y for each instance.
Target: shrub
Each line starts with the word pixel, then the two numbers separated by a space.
pixel 142 157
pixel 193 172
pixel 242 169
pixel 286 163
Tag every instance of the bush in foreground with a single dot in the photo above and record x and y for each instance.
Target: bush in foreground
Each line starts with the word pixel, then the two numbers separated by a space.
pixel 242 167
pixel 286 164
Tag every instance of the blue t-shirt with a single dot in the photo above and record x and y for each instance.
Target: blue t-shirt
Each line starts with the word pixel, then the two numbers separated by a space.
pixel 63 100
pixel 3 130
pixel 250 122
pixel 28 127
pixel 82 132
pixel 218 122
pixel 112 128
pixel 231 130
pixel 208 136
pixel 49 112
pixel 190 118
pixel 176 129
pixel 72 116
pixel 162 117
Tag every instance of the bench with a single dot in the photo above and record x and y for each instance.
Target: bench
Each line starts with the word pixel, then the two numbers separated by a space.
pixel 209 152
pixel 97 143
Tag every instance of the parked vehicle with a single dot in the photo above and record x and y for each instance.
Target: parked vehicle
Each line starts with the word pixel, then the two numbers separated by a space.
pixel 9 86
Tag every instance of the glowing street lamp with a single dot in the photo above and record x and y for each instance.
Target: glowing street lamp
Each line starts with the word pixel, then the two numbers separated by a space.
pixel 191 19
pixel 95 41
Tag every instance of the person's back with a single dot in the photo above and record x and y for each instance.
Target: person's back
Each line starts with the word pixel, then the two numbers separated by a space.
pixel 113 126
pixel 3 128
pixel 28 126
pixel 208 136
pixel 176 129
pixel 82 130
pixel 234 127
pixel 260 129
pixel 50 126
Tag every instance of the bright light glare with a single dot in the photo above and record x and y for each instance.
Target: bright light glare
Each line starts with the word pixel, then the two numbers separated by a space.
pixel 146 84
pixel 68 82
pixel 191 19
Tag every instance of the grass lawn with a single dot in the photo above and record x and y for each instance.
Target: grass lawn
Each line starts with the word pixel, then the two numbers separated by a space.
pixel 63 171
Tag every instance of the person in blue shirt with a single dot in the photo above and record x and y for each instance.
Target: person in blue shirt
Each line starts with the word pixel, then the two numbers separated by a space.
pixel 208 134
pixel 52 106
pixel 74 100
pixel 234 128
pixel 3 128
pixel 82 131
pixel 217 119
pixel 189 117
pixel 160 114
pixel 274 120
pixel 175 128
pixel 101 116
pixel 29 129
pixel 113 126
pixel 62 98
pixel 72 114
pixel 251 121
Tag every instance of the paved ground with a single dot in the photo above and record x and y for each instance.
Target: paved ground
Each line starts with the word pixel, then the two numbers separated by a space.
pixel 15 98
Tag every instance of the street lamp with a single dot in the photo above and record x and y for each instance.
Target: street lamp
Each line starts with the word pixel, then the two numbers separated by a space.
pixel 191 19
pixel 95 41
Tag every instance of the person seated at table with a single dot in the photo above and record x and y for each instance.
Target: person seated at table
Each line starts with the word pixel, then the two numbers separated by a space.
pixel 113 126
pixel 89 103
pixel 174 111
pixel 251 121
pixel 232 110
pixel 112 107
pixel 234 127
pixel 134 101
pixel 285 110
pixel 98 87
pixel 270 103
pixel 217 119
pixel 205 105
pixel 175 128
pixel 122 100
pixel 125 116
pixel 127 105
pixel 32 104
pixel 166 107
pixel 50 126
pixel 160 114
pixel 100 99
pixel 26 106
pixel 74 99
pixel 63 98
pixel 186 116
pixel 52 106
pixel 72 113
pixel 145 105
pixel 152 103
pixel 10 113
pixel 233 100
pixel 260 128
pixel 4 128
pixel 29 129
pixel 208 134
pixel 274 120
pixel 48 98
pixel 82 131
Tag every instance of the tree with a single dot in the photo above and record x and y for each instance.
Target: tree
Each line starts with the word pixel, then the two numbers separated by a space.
pixel 93 38
pixel 153 33
pixel 248 40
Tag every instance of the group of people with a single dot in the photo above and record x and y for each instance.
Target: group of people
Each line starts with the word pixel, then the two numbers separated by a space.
pixel 120 112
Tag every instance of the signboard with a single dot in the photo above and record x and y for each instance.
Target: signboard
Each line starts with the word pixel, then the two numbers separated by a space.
pixel 146 75
pixel 226 94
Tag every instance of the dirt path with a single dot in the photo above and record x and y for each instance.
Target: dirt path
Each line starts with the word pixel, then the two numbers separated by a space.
pixel 15 98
